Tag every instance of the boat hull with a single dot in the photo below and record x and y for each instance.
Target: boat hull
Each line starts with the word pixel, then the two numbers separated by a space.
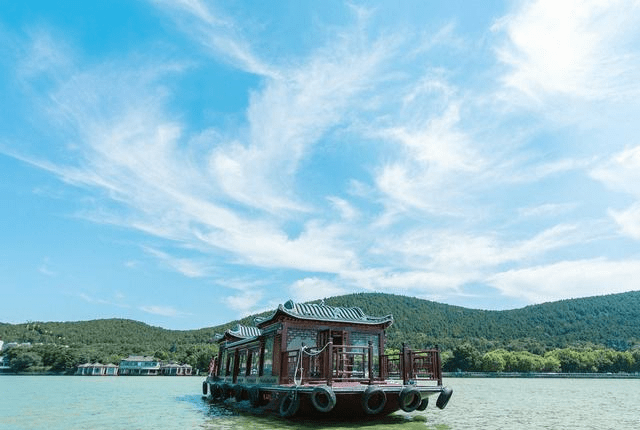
pixel 340 401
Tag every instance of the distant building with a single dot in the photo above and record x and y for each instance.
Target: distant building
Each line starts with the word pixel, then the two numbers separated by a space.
pixel 4 364
pixel 97 369
pixel 135 365
pixel 174 369
pixel 140 365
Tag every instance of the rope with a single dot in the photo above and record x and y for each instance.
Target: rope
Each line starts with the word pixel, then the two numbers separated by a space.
pixel 304 350
pixel 314 353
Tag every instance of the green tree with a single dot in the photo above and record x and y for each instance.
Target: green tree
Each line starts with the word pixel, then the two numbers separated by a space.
pixel 24 360
pixel 465 358
pixel 493 361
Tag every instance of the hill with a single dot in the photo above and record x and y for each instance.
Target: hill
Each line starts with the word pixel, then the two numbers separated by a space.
pixel 611 321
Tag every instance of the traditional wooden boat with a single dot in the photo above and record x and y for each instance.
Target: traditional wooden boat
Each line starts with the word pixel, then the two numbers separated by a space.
pixel 315 359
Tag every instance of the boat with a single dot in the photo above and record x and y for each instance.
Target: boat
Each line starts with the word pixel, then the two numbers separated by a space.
pixel 306 359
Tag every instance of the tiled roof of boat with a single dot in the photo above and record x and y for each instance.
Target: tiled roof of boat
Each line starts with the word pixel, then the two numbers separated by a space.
pixel 315 311
pixel 241 332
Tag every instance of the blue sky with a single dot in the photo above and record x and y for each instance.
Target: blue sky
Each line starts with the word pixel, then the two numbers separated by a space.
pixel 185 163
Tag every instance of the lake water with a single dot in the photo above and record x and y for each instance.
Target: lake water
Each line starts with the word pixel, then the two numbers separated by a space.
pixel 159 403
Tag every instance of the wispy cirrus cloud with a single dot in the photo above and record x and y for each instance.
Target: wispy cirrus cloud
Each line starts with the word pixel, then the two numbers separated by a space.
pixel 363 161
pixel 621 173
pixel 219 34
pixel 308 289
pixel 574 49
pixel 164 311
pixel 568 279
pixel 116 300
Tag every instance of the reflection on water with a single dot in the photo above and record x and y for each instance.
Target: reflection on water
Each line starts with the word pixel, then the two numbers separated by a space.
pixel 221 416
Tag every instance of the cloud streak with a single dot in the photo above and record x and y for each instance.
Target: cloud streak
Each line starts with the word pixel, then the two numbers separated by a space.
pixel 367 161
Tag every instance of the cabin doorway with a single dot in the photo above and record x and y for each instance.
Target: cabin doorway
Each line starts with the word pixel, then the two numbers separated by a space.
pixel 337 337
pixel 340 359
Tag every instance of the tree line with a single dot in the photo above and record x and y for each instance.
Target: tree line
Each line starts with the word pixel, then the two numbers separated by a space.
pixel 65 359
pixel 466 358
pixel 595 334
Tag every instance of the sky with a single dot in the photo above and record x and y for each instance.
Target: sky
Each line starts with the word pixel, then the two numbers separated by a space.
pixel 185 163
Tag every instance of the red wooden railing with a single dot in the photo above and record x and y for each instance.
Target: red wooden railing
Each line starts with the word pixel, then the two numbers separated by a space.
pixel 345 363
pixel 410 365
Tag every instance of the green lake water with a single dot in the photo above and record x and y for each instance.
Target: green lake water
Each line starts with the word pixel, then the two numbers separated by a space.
pixel 155 403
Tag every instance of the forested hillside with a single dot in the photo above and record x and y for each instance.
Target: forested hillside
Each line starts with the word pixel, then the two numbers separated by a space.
pixel 470 339
pixel 60 346
pixel 612 321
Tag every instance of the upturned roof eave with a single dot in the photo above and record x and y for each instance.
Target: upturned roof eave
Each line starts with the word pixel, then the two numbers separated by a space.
pixel 385 321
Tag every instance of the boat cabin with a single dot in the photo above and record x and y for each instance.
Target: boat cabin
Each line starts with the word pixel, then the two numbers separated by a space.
pixel 302 344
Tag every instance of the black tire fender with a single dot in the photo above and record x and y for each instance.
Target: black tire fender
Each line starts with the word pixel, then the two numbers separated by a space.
pixel 227 389
pixel 238 391
pixel 254 395
pixel 289 404
pixel 423 405
pixel 410 399
pixel 216 391
pixel 444 397
pixel 380 400
pixel 323 398
pixel 204 388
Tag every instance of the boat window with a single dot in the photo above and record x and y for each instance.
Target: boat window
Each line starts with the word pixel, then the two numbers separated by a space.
pixel 301 336
pixel 222 370
pixel 242 363
pixel 254 361
pixel 267 367
pixel 229 369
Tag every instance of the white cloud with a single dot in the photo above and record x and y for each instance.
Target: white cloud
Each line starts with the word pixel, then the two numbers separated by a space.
pixel 188 267
pixel 346 210
pixel 308 289
pixel 117 300
pixel 568 279
pixel 572 48
pixel 288 117
pixel 45 268
pixel 165 311
pixel 245 303
pixel 451 252
pixel 628 220
pixel 621 172
pixel 436 155
pixel 219 34
pixel 546 210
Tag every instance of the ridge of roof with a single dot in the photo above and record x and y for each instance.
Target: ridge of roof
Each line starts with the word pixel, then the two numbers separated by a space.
pixel 240 331
pixel 320 311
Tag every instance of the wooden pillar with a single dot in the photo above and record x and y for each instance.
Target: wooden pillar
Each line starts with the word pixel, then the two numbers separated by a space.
pixel 261 358
pixel 370 362
pixel 329 364
pixel 406 363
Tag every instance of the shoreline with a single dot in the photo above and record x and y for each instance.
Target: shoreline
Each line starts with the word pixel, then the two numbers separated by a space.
pixel 541 375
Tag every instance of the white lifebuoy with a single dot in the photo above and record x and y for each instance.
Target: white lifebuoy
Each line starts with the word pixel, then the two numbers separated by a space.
pixel 374 400
pixel 410 399
pixel 444 397
pixel 323 399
